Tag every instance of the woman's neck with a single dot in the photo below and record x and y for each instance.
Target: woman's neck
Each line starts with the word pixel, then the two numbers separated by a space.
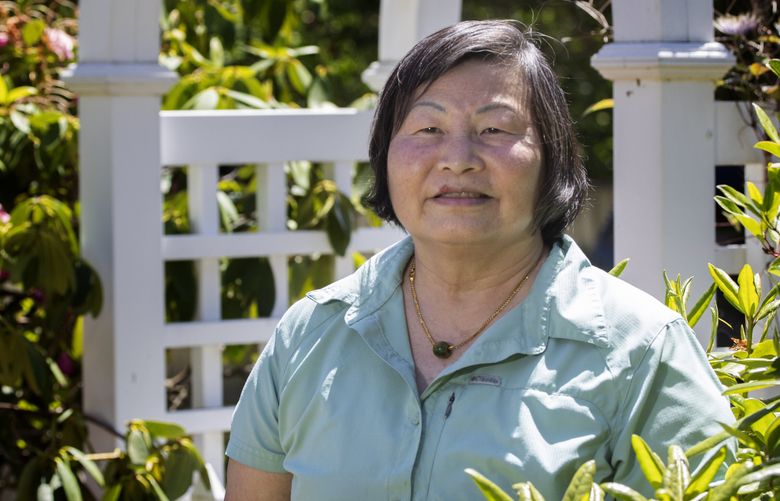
pixel 461 271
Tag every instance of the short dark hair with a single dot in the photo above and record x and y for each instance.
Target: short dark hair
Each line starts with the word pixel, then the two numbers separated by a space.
pixel 564 184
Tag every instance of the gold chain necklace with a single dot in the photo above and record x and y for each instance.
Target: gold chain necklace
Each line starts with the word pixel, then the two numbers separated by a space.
pixel 443 349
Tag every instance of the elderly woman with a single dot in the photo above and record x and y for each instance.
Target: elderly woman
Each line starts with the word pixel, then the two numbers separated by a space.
pixel 485 339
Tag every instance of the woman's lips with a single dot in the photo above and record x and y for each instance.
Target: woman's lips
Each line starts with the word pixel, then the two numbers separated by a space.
pixel 460 198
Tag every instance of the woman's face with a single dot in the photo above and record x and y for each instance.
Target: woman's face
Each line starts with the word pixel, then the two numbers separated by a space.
pixel 465 164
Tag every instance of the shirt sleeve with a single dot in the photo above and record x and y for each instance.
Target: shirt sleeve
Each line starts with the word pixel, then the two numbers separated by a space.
pixel 673 397
pixel 254 432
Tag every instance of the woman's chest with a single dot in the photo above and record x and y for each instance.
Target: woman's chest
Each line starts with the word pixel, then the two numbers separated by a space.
pixel 354 428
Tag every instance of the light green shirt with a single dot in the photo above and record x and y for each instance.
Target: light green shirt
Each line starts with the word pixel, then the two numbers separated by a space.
pixel 567 376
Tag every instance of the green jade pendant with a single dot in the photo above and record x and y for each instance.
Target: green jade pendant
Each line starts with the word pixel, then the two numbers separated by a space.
pixel 442 349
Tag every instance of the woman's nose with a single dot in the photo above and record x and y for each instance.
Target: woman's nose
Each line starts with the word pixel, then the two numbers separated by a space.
pixel 459 154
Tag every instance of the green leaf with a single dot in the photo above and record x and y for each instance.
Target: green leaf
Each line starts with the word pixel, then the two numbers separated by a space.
pixel 489 490
pixel 707 444
pixel 20 121
pixel 766 123
pixel 729 206
pixel 734 195
pixel 178 473
pixel 338 225
pixel 747 293
pixel 604 104
pixel 774 65
pixel 677 475
pixel 3 91
pixel 18 93
pixel 733 482
pixel 32 31
pixel 726 285
pixel 754 193
pixel 156 487
pixel 750 224
pixel 769 147
pixel 112 493
pixel 228 212
pixel 162 429
pixel 581 483
pixel 701 481
pixel 527 492
pixel 299 76
pixel 701 305
pixel 137 449
pixel 651 464
pixel 69 482
pixel 216 52
pixel 621 492
pixel 618 269
pixel 751 386
pixel 86 463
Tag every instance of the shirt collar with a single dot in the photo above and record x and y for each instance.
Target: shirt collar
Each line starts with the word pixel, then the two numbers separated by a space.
pixel 563 302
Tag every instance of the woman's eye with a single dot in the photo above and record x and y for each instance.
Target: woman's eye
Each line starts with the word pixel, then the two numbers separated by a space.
pixel 491 130
pixel 429 130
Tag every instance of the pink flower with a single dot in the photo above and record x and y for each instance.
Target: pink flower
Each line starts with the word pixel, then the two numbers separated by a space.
pixel 60 43
pixel 4 39
pixel 4 216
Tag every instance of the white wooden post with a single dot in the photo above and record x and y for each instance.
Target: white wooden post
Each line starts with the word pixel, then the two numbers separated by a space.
pixel 402 23
pixel 120 83
pixel 206 361
pixel 663 63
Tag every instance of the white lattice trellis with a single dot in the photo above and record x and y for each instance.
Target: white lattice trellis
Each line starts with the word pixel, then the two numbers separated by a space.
pixel 205 140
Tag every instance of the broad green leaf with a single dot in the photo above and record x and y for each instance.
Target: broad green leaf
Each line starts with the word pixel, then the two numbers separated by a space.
pixel 18 93
pixel 20 121
pixel 228 212
pixel 769 147
pixel 207 99
pixel 177 478
pixel 729 206
pixel 754 193
pixel 750 224
pixel 32 31
pixel 162 429
pixel 765 349
pixel 751 386
pixel 604 104
pixel 489 490
pixel 766 123
pixel 299 76
pixel 68 479
pixel 734 476
pixel 245 99
pixel 774 65
pixel 767 309
pixel 773 437
pixel 137 448
pixel 701 481
pixel 651 464
pixel 306 50
pixel 726 285
pixel 748 296
pixel 3 91
pixel 734 195
pixel 618 269
pixel 622 492
pixel 701 305
pixel 581 483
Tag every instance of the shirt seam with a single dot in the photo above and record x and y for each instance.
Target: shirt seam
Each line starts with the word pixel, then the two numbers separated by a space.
pixel 621 408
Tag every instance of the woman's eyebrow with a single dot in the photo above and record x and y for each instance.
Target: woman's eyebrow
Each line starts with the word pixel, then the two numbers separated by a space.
pixel 431 104
pixel 496 106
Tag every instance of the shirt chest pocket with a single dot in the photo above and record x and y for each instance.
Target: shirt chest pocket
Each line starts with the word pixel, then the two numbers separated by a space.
pixel 519 434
